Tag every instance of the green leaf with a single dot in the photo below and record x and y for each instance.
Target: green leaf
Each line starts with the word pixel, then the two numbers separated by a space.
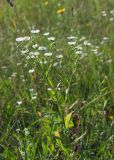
pixel 67 120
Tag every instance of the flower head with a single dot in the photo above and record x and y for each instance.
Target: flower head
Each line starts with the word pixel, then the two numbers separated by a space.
pixel 21 39
pixel 61 10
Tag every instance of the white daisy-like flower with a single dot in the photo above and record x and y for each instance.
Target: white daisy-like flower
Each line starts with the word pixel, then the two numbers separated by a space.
pixel 35 31
pixel 14 74
pixel 51 38
pixel 26 131
pixel 49 89
pixel 31 89
pixel 79 47
pixel 24 51
pixel 104 14
pixel 112 12
pixel 34 46
pixel 46 34
pixel 59 56
pixel 111 19
pixel 34 54
pixel 55 64
pixel 18 130
pixel 34 97
pixel 3 67
pixel 71 43
pixel 19 102
pixel 79 52
pixel 43 62
pixel 95 51
pixel 22 39
pixel 27 57
pixel 86 43
pixel 48 54
pixel 31 70
pixel 42 48
pixel 105 38
pixel 18 64
pixel 71 38
pixel 82 38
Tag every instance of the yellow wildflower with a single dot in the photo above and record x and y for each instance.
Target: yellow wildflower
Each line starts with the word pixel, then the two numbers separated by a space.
pixel 46 3
pixel 111 117
pixel 57 134
pixel 60 11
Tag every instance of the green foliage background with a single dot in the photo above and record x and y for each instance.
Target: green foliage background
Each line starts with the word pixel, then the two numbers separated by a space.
pixel 69 114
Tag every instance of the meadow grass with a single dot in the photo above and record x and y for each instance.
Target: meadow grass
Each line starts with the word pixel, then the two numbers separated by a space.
pixel 57 80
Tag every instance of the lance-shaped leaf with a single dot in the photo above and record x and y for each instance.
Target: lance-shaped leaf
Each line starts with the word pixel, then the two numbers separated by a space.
pixel 67 120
